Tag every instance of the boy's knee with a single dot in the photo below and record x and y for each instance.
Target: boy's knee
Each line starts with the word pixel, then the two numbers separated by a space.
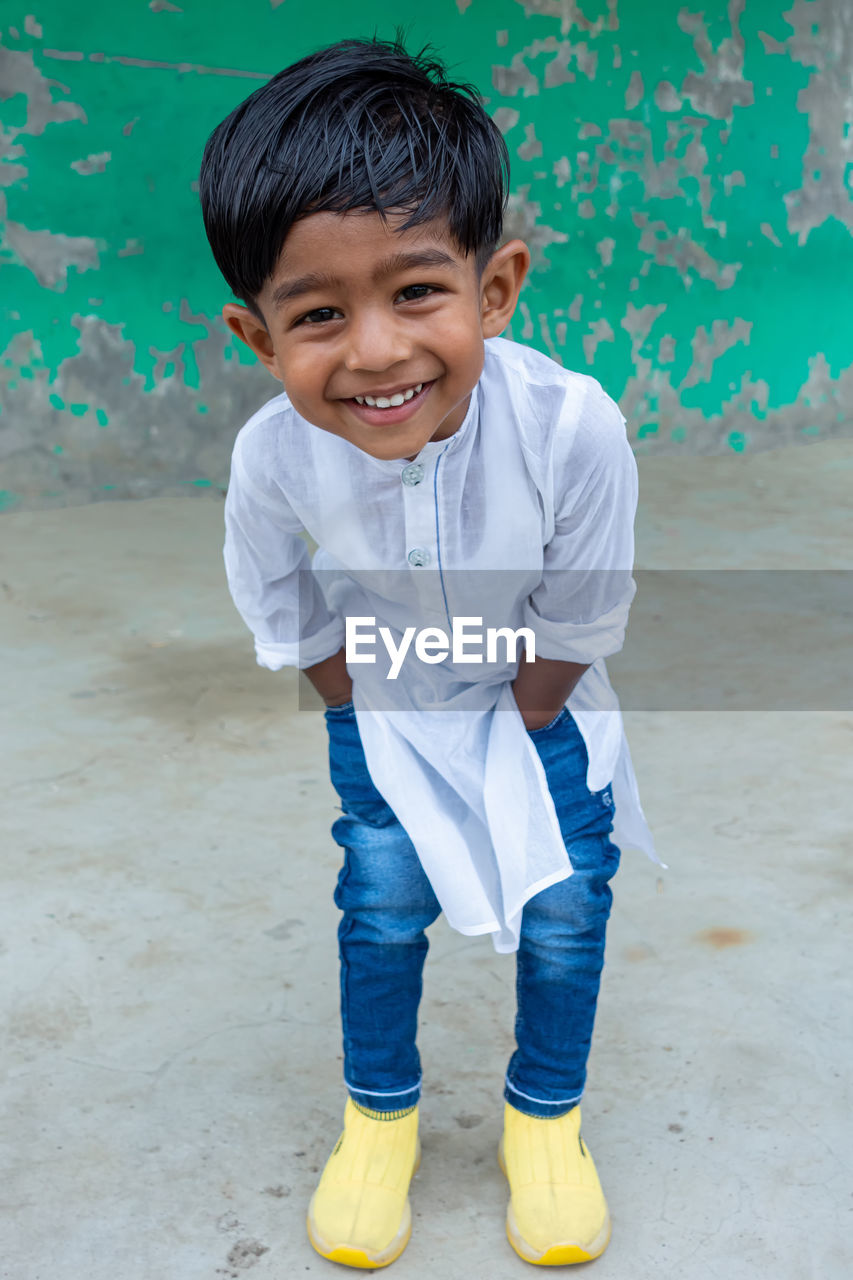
pixel 571 908
pixel 593 854
pixel 394 925
pixel 384 922
pixel 382 882
pixel 369 808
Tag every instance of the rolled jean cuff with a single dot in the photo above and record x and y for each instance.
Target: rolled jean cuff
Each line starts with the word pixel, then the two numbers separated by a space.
pixel 398 1100
pixel 539 1107
pixel 340 710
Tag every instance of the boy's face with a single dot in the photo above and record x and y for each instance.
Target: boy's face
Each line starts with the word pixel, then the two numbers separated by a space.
pixel 357 309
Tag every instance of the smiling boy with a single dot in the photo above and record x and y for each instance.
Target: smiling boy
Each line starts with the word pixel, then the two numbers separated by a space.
pixel 430 342
pixel 355 204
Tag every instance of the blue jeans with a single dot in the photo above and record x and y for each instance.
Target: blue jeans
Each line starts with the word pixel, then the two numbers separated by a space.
pixel 387 903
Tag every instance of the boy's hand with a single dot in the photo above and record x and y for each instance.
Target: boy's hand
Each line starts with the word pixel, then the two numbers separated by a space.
pixel 542 687
pixel 331 679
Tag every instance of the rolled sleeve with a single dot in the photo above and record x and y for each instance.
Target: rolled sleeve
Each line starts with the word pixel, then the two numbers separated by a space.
pixel 269 574
pixel 579 611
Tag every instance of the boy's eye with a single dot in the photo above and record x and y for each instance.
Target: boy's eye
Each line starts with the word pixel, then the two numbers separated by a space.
pixel 320 316
pixel 414 291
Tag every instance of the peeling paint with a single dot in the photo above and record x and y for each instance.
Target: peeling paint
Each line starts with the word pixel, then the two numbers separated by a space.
pixel 767 230
pixel 708 347
pixel 638 322
pixel 720 86
pixel 517 77
pixel 138 443
pixel 604 249
pixel 49 254
pixel 506 118
pixel 668 248
pixel 95 163
pixel 599 331
pixel 823 42
pixel 524 219
pixel 666 98
pixel 635 92
pixel 571 14
pixel 20 75
pixel 531 147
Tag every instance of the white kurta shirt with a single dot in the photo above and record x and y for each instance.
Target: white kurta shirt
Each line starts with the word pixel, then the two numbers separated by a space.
pixel 523 517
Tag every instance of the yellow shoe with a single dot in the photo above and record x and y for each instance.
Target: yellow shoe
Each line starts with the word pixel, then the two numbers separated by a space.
pixel 557 1212
pixel 360 1215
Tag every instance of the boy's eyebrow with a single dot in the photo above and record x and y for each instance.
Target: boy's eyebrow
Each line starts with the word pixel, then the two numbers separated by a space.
pixel 417 258
pixel 398 262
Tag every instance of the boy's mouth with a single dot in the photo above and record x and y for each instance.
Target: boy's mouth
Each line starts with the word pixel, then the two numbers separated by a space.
pixel 389 410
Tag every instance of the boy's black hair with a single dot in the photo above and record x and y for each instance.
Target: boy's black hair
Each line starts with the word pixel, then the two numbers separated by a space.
pixel 360 125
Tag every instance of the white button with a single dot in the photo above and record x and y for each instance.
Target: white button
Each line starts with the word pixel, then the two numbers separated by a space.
pixel 418 556
pixel 413 473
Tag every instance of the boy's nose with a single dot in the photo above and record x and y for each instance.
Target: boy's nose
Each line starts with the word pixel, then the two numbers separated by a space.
pixel 375 342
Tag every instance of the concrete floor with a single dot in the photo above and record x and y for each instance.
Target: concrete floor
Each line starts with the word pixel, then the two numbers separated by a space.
pixel 168 936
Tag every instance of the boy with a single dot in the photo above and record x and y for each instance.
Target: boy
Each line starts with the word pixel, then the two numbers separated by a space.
pixel 355 204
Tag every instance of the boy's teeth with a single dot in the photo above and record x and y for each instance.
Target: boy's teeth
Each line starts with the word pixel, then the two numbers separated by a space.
pixel 390 402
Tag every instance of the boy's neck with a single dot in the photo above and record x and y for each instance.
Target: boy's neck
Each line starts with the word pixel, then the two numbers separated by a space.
pixel 439 435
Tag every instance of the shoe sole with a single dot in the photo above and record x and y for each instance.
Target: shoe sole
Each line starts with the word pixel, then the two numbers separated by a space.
pixel 350 1254
pixel 564 1254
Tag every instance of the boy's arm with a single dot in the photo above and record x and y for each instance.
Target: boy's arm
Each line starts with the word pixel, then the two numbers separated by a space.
pixel 542 687
pixel 579 610
pixel 268 568
pixel 331 679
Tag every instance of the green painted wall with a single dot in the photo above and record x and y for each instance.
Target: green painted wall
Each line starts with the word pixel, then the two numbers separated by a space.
pixel 682 171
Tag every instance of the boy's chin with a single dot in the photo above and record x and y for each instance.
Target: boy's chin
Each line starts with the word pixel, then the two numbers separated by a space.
pixel 396 446
pixel 391 453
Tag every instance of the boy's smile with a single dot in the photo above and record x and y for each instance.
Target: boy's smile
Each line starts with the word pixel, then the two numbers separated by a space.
pixel 377 334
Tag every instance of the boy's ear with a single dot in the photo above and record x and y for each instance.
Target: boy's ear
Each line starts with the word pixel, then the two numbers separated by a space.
pixel 251 330
pixel 503 276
